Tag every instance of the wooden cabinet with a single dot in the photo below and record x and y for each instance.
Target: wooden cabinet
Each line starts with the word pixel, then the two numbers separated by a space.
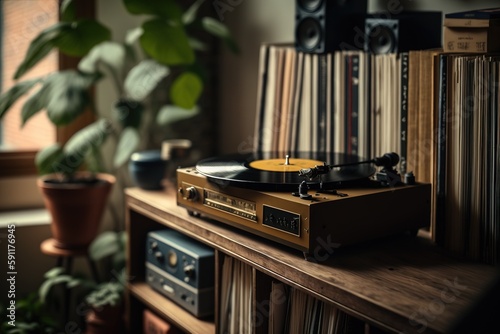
pixel 399 284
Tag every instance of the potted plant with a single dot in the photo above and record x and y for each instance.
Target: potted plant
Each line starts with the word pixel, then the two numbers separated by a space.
pixel 96 303
pixel 105 314
pixel 161 55
pixel 75 199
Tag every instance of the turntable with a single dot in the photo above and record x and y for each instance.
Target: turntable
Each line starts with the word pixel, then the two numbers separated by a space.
pixel 313 203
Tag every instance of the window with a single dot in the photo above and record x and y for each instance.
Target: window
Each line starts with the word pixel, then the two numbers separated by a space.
pixel 21 21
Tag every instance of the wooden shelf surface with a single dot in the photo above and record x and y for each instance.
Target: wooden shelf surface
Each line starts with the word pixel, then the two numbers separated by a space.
pixel 400 284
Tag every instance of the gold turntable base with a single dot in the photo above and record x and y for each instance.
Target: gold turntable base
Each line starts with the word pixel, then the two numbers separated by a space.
pixel 316 226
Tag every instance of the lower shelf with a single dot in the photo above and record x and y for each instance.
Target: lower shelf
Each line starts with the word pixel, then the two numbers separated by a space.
pixel 177 315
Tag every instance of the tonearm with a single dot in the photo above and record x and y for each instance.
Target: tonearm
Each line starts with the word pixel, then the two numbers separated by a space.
pixel 386 176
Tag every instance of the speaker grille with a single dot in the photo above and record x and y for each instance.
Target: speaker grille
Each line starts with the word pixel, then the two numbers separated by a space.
pixel 309 34
pixel 382 36
pixel 322 26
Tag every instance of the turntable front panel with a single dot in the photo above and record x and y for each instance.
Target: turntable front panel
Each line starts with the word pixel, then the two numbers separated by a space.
pixel 243 208
pixel 308 225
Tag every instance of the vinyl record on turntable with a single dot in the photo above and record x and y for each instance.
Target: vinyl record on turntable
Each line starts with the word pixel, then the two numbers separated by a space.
pixel 276 171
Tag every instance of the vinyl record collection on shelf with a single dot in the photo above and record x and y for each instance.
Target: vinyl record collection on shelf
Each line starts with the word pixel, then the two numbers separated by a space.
pixel 288 309
pixel 348 102
pixel 438 110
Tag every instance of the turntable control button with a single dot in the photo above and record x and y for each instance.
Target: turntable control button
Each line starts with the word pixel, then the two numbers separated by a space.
pixel 191 194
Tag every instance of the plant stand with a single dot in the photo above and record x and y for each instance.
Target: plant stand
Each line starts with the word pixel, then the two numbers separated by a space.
pixel 65 256
pixel 65 259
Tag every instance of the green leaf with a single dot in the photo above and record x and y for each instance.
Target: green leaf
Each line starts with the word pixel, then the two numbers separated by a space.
pixel 40 47
pixel 8 98
pixel 111 54
pixel 196 44
pixel 64 94
pixel 35 103
pixel 133 35
pixel 127 144
pixel 92 135
pixel 77 147
pixel 48 284
pixel 166 42
pixel 68 11
pixel 220 30
pixel 215 27
pixel 78 38
pixel 232 45
pixel 24 328
pixel 143 78
pixel 46 158
pixel 54 272
pixel 164 8
pixel 190 14
pixel 93 161
pixel 170 114
pixel 67 95
pixel 104 245
pixel 186 89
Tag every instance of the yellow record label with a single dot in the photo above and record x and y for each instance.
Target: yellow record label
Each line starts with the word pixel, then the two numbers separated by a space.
pixel 281 165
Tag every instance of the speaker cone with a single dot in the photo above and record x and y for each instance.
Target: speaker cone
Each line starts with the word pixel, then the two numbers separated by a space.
pixel 382 39
pixel 309 34
pixel 310 5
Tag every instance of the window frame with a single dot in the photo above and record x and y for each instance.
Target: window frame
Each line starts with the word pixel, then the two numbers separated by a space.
pixel 21 162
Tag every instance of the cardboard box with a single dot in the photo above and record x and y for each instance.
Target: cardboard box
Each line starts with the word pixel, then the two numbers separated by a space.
pixel 470 23
pixel 466 35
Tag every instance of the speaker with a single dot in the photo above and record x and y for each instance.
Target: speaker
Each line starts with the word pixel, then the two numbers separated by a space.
pixel 403 32
pixel 323 26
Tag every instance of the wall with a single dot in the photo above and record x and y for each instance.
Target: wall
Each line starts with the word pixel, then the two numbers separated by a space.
pixel 253 22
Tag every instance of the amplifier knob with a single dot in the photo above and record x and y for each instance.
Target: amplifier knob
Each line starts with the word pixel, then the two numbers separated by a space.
pixel 153 246
pixel 189 270
pixel 159 256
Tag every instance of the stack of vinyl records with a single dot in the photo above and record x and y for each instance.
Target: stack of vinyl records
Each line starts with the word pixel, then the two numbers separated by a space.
pixel 469 156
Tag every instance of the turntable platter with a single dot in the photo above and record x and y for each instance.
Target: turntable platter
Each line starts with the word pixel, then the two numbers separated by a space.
pixel 274 171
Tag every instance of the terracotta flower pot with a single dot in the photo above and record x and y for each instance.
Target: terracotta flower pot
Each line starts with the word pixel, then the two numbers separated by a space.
pixel 76 207
pixel 105 320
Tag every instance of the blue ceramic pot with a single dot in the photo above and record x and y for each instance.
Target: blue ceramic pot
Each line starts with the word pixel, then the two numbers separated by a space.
pixel 147 169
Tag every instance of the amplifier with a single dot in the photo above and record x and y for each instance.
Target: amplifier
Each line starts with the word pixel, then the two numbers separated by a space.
pixel 199 302
pixel 181 257
pixel 181 269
